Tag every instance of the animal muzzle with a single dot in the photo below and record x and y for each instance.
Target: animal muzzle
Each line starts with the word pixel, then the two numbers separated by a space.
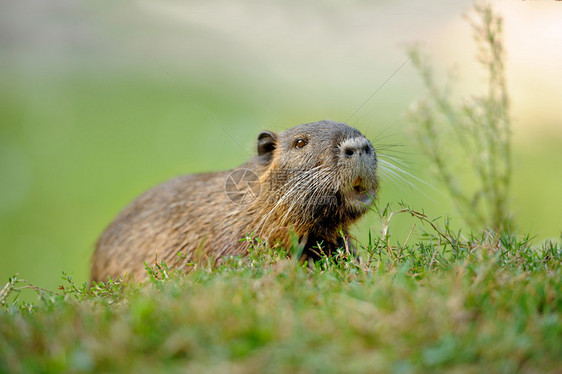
pixel 360 154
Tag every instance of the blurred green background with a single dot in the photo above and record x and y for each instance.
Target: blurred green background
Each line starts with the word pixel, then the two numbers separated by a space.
pixel 95 104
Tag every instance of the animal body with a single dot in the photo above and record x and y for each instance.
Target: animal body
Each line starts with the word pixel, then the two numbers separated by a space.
pixel 312 181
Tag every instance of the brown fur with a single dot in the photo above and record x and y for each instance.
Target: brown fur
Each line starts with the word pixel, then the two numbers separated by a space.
pixel 311 191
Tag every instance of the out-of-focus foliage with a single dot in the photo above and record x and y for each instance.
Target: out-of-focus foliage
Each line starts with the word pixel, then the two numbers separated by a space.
pixel 469 144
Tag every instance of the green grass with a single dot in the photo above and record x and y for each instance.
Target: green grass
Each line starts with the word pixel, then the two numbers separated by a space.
pixel 443 304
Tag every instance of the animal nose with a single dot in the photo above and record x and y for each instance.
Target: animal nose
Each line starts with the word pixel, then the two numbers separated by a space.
pixel 350 151
pixel 356 146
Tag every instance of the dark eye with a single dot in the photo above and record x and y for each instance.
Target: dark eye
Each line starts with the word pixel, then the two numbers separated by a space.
pixel 300 143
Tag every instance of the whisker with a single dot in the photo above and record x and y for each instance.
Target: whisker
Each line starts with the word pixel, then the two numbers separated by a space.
pixel 391 170
pixel 400 170
pixel 301 178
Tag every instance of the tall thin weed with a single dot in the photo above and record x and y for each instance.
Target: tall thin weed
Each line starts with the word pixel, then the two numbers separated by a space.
pixel 469 143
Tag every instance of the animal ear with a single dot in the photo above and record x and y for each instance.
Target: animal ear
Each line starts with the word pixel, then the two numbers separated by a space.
pixel 267 141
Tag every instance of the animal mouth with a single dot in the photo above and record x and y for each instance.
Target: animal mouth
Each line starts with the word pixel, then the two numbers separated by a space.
pixel 360 192
pixel 358 186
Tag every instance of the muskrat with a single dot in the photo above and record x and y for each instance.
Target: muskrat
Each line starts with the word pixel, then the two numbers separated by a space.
pixel 310 182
